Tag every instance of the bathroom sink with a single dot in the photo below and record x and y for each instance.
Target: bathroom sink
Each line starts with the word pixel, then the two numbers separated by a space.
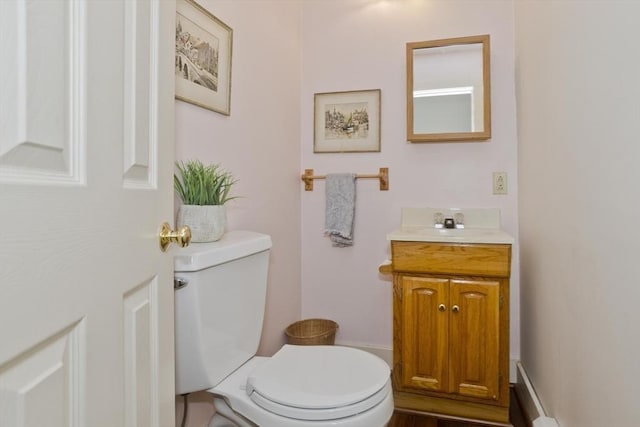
pixel 481 225
pixel 465 235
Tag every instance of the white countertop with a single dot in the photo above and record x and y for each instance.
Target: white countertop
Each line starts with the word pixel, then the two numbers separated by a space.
pixel 449 235
pixel 482 225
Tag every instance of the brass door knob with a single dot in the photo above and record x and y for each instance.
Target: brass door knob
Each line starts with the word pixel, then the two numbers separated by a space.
pixel 442 307
pixel 167 236
pixel 455 309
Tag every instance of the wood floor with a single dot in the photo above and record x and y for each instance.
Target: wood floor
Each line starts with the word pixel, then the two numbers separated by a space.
pixel 407 420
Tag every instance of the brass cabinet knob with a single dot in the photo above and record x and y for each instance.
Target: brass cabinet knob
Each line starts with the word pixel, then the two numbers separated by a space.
pixel 455 309
pixel 167 236
pixel 442 307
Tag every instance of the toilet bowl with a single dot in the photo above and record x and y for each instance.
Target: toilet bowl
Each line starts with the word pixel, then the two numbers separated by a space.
pixel 219 311
pixel 281 392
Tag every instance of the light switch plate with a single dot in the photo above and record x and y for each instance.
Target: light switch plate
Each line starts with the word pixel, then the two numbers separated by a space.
pixel 499 183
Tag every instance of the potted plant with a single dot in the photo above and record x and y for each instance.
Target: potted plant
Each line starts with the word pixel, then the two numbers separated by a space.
pixel 203 189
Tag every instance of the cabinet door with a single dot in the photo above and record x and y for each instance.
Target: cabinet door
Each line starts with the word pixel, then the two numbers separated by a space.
pixel 425 333
pixel 474 340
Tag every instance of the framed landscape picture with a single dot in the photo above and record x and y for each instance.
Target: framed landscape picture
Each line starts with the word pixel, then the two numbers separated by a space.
pixel 347 122
pixel 202 58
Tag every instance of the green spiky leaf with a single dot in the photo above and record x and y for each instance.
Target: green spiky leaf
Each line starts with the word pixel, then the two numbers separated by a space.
pixel 199 184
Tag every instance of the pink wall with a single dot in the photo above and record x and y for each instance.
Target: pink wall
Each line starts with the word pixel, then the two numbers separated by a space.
pixel 259 143
pixel 355 45
pixel 285 51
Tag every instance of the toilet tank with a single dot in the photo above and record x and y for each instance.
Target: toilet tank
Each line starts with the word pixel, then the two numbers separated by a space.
pixel 220 310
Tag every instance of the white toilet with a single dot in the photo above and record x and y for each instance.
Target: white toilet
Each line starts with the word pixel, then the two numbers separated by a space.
pixel 218 316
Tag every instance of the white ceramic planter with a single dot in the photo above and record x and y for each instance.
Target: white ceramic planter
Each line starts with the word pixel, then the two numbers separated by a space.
pixel 207 223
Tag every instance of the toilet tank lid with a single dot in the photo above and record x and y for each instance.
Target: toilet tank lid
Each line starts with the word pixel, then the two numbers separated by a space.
pixel 233 245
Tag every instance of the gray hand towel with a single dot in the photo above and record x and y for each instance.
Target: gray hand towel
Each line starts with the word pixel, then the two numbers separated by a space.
pixel 340 208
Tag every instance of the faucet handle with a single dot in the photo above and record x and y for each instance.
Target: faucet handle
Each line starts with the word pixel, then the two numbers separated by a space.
pixel 459 219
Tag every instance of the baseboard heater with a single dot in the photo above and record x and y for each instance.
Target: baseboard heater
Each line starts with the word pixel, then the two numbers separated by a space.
pixel 531 406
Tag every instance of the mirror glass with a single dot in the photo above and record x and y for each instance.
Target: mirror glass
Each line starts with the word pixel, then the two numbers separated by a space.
pixel 448 90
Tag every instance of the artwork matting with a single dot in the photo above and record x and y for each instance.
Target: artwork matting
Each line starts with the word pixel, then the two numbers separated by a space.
pixel 202 58
pixel 347 122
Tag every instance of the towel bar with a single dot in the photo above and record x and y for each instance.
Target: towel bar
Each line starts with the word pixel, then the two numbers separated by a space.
pixel 383 176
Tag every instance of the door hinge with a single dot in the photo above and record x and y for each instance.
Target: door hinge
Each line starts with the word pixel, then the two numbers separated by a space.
pixel 501 301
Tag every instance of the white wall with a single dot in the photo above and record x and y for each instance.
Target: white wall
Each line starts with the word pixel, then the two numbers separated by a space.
pixel 579 121
pixel 356 45
pixel 259 143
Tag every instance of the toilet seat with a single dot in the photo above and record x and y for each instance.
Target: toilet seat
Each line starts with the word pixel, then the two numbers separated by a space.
pixel 232 393
pixel 319 382
pixel 326 413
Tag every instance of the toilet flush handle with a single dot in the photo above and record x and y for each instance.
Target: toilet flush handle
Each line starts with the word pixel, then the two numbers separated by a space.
pixel 179 283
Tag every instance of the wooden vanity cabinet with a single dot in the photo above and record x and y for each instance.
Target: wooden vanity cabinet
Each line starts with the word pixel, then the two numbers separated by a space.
pixel 451 328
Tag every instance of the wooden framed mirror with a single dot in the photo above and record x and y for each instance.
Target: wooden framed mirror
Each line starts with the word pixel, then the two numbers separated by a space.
pixel 449 90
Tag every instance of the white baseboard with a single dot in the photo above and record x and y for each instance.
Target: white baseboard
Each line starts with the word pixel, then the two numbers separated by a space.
pixel 384 353
pixel 534 413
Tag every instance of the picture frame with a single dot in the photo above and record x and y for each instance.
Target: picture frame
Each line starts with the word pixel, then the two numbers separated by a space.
pixel 203 49
pixel 347 122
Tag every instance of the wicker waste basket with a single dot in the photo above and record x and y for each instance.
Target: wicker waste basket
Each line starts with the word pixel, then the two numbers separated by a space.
pixel 312 332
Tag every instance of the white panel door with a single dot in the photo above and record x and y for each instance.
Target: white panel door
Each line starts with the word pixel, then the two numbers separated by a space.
pixel 86 161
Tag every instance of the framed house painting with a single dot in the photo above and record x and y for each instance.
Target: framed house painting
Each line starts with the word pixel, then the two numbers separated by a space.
pixel 202 58
pixel 347 122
